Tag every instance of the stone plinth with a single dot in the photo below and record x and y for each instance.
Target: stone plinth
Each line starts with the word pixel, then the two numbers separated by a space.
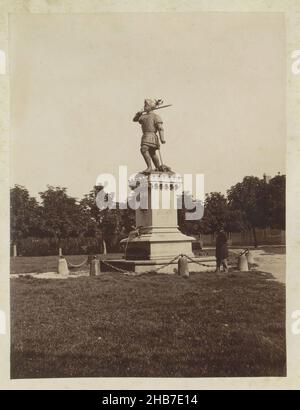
pixel 157 239
pixel 158 236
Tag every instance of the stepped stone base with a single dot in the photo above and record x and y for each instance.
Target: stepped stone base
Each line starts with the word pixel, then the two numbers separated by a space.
pixel 157 239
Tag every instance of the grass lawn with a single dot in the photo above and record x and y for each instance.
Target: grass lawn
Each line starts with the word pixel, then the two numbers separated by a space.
pixel 148 326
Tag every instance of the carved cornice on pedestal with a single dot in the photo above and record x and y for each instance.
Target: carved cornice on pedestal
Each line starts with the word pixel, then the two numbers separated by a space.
pixel 157 180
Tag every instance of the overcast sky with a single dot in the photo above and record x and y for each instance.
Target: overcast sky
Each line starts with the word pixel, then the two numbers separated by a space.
pixel 77 81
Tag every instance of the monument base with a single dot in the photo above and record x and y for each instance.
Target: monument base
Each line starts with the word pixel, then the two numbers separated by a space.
pixel 145 266
pixel 157 240
pixel 157 244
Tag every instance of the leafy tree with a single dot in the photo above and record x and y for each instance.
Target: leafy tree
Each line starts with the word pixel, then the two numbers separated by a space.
pixel 261 203
pixel 92 212
pixel 249 197
pixel 109 224
pixel 25 215
pixel 216 213
pixel 62 215
pixel 276 188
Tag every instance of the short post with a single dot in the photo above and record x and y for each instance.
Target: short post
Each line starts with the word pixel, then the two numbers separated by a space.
pixel 60 252
pixel 15 250
pixel 243 263
pixel 94 267
pixel 62 266
pixel 104 247
pixel 183 266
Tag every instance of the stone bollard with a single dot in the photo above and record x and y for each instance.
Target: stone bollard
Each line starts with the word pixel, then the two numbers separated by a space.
pixel 183 266
pixel 250 258
pixel 94 267
pixel 60 252
pixel 62 267
pixel 243 263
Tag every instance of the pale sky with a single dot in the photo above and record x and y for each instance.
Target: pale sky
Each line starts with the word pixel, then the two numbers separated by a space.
pixel 77 81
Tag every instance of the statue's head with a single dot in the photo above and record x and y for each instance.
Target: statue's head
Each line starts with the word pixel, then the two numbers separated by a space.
pixel 149 104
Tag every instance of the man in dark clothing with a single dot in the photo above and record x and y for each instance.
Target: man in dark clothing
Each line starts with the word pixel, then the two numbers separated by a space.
pixel 221 250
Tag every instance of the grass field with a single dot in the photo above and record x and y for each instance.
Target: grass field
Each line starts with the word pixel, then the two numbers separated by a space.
pixel 148 326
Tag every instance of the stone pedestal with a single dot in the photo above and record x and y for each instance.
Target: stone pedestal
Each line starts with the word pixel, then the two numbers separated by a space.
pixel 158 236
pixel 157 239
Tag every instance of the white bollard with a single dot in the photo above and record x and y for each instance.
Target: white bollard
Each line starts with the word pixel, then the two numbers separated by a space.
pixel 60 252
pixel 183 266
pixel 62 267
pixel 94 267
pixel 243 263
pixel 15 254
pixel 250 258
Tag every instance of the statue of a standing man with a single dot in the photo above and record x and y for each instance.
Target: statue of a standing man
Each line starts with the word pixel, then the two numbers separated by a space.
pixel 151 125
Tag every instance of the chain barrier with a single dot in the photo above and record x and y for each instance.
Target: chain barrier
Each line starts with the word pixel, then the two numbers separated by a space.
pixel 71 265
pixel 127 272
pixel 168 263
pixel 164 265
pixel 197 262
pixel 245 251
pixel 131 235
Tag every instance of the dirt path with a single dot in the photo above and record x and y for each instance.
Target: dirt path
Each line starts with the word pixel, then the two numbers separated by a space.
pixel 273 263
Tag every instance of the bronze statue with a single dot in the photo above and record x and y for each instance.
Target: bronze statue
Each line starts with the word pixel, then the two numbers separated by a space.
pixel 151 125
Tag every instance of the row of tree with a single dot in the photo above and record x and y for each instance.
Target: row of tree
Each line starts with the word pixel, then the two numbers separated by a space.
pixel 58 216
pixel 250 204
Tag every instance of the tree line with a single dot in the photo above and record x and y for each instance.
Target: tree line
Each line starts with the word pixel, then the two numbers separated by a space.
pixel 60 218
pixel 248 205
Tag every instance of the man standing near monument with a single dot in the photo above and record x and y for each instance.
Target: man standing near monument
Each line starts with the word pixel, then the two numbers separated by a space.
pixel 221 250
pixel 151 124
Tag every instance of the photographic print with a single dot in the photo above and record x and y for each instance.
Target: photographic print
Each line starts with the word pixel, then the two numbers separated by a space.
pixel 148 222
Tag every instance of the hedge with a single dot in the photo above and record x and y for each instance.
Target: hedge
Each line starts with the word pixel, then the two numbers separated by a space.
pixel 48 246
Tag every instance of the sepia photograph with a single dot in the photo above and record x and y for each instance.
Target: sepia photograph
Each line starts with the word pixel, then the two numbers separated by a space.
pixel 149 184
pixel 147 195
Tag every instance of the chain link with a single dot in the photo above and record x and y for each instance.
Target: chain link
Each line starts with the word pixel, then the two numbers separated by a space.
pixel 127 272
pixel 169 263
pixel 197 262
pixel 71 265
